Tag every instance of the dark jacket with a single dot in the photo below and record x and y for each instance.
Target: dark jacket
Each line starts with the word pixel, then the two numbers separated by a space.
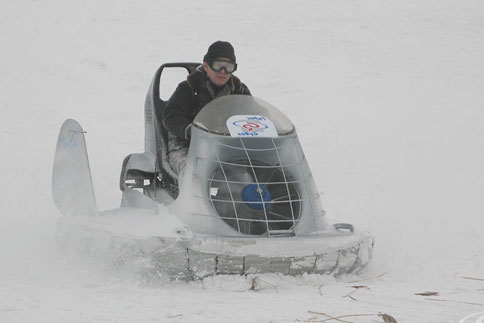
pixel 188 99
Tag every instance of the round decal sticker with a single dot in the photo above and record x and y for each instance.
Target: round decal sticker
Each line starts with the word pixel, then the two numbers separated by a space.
pixel 251 126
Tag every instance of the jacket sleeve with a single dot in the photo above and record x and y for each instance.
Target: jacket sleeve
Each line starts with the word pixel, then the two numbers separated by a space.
pixel 240 88
pixel 176 116
pixel 245 89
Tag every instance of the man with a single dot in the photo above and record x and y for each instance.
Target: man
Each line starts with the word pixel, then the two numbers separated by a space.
pixel 211 80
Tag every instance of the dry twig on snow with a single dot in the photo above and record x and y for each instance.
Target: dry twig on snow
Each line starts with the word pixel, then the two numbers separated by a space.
pixel 427 294
pixel 386 318
pixel 328 316
pixel 354 290
pixel 451 301
pixel 369 278
pixel 256 284
pixel 472 278
pixel 320 289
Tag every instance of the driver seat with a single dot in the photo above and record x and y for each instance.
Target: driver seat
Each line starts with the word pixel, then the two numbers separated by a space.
pixel 150 170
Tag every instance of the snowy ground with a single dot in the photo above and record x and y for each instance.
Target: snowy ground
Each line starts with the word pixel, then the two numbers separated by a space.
pixel 387 99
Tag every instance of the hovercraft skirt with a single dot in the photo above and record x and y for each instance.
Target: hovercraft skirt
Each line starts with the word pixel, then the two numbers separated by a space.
pixel 198 257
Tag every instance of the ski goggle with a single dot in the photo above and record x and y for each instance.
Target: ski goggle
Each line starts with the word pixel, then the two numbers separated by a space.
pixel 218 66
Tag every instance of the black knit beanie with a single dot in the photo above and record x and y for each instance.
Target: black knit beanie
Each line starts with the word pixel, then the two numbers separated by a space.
pixel 220 49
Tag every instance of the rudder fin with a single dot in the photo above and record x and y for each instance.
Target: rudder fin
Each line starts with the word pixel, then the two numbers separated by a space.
pixel 72 187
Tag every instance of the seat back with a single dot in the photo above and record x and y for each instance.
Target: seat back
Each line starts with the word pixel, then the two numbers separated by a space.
pixel 156 136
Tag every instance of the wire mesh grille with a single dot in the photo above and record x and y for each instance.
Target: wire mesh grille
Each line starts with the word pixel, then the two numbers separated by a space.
pixel 255 192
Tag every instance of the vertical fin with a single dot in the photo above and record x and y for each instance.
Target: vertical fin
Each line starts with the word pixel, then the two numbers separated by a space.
pixel 72 187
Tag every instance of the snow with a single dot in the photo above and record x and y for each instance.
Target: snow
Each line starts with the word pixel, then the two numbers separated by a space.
pixel 387 100
pixel 136 223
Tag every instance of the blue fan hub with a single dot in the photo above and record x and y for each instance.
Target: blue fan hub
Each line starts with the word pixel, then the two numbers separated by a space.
pixel 256 196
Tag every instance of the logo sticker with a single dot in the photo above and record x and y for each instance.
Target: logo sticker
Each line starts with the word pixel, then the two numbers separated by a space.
pixel 251 126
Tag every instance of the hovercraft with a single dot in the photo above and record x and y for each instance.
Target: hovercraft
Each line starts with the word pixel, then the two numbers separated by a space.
pixel 246 202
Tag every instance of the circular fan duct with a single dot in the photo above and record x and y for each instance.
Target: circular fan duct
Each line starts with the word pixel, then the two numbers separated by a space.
pixel 255 198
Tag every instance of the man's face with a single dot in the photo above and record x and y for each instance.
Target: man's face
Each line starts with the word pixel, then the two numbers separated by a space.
pixel 217 78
